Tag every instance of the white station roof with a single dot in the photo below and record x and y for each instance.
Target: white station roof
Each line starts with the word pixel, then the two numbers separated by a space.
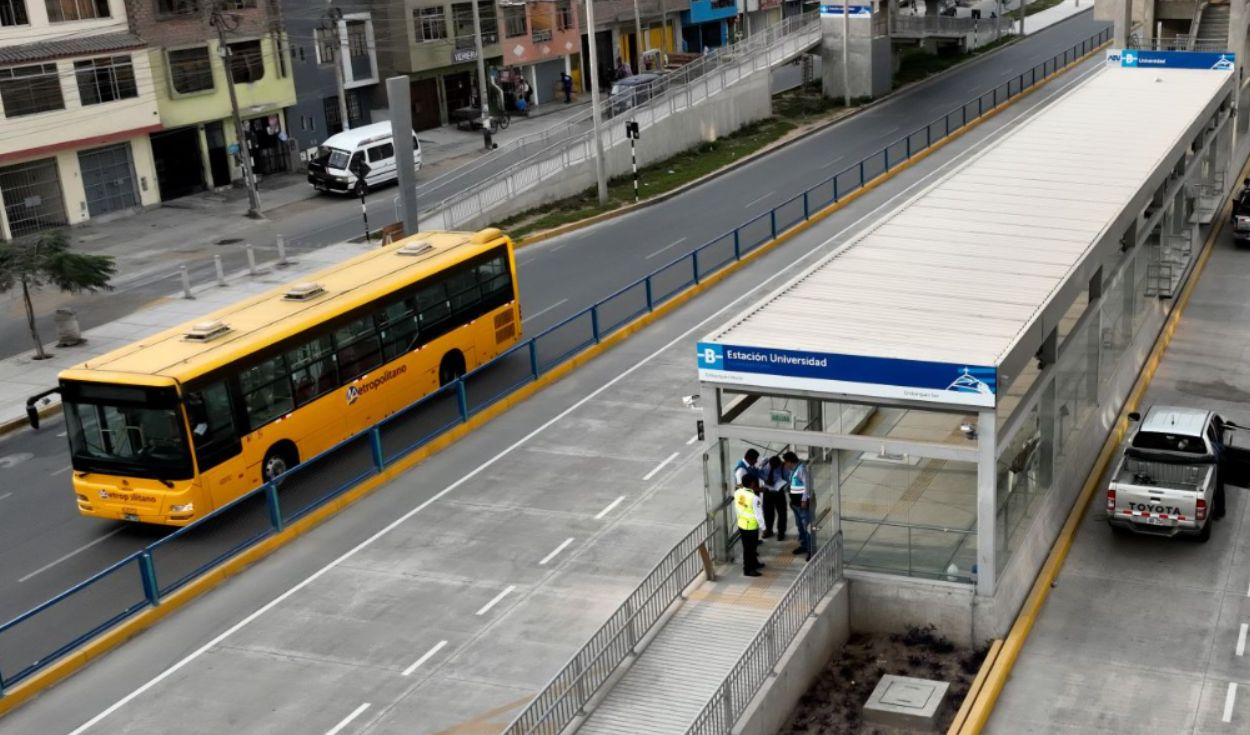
pixel 958 274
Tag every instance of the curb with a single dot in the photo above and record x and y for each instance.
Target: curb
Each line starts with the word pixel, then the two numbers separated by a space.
pixel 128 629
pixel 895 94
pixel 979 712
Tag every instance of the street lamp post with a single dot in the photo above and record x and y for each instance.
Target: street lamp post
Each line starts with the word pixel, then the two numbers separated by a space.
pixel 483 95
pixel 592 65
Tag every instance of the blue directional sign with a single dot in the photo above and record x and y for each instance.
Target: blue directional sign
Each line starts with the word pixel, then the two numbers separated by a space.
pixel 857 11
pixel 1145 59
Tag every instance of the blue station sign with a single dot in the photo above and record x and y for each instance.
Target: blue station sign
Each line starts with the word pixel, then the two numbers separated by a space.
pixel 878 377
pixel 1144 59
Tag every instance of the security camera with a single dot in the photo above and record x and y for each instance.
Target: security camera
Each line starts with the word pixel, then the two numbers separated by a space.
pixel 690 401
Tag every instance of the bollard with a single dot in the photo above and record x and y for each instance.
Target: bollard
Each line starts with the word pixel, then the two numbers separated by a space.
pixel 251 260
pixel 282 263
pixel 186 282
pixel 221 272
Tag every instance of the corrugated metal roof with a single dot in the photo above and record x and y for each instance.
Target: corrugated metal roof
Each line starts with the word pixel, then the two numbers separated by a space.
pixel 73 46
pixel 959 272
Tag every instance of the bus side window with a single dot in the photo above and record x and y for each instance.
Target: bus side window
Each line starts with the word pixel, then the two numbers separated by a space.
pixel 462 289
pixel 495 280
pixel 266 391
pixel 213 432
pixel 397 323
pixel 433 310
pixel 313 372
pixel 359 349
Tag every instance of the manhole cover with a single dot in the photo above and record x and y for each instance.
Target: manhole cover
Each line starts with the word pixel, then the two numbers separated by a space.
pixel 229 241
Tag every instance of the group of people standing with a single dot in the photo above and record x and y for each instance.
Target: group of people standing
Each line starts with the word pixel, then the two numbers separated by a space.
pixel 763 490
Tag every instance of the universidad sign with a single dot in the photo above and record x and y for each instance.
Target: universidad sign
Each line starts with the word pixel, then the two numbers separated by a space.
pixel 878 377
pixel 857 11
pixel 1144 59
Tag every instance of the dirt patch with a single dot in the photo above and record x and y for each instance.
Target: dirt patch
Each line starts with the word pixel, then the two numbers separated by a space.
pixel 833 705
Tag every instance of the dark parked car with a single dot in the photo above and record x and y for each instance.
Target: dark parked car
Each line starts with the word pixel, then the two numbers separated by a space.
pixel 632 91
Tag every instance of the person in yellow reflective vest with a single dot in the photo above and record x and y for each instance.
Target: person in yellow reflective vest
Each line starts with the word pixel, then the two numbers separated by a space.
pixel 749 509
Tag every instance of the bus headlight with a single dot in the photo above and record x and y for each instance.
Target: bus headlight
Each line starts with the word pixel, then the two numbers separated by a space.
pixel 182 508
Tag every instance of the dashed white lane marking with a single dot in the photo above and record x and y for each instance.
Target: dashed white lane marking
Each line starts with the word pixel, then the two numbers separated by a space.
pixel 495 600
pixel 608 509
pixel 72 554
pixel 656 470
pixel 1229 700
pixel 348 719
pixel 426 657
pixel 553 554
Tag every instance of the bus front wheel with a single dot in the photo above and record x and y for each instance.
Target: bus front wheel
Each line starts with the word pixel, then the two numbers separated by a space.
pixel 279 459
pixel 451 368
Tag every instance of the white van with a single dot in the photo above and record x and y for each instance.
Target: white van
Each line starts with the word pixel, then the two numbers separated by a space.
pixel 330 169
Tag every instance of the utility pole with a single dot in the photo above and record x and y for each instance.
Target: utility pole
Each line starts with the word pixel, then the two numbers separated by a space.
pixel 846 53
pixel 1023 9
pixel 638 44
pixel 483 94
pixel 330 24
pixel 398 94
pixel 224 22
pixel 593 66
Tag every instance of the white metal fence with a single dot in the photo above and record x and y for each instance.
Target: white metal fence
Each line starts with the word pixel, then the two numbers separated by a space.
pixel 765 651
pixel 669 95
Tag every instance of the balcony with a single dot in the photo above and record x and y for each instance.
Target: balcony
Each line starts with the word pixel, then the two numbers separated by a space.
pixel 542 35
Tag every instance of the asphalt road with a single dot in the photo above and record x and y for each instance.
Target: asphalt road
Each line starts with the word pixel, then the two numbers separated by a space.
pixel 1143 634
pixel 47 546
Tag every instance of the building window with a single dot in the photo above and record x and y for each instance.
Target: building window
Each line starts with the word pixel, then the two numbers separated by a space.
pixel 32 197
pixel 60 11
pixel 564 14
pixel 13 13
pixel 430 24
pixel 354 112
pixel 177 7
pixel 190 70
pixel 327 43
pixel 247 63
pixel 514 21
pixel 334 122
pixel 105 80
pixel 26 90
pixel 357 39
pixel 462 20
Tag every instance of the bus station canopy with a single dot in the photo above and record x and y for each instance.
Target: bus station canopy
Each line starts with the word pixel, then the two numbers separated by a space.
pixel 966 278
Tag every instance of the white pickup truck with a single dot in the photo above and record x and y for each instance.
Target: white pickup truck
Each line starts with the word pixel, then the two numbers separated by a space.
pixel 1171 477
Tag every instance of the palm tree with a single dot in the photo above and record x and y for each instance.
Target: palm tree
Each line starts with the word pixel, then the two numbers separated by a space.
pixel 47 259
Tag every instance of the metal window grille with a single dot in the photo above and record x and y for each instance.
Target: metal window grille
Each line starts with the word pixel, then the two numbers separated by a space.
pixel 177 7
pixel 13 13
pixel 514 20
pixel 247 62
pixel 105 79
pixel 430 24
pixel 60 11
pixel 190 70
pixel 327 46
pixel 32 197
pixel 564 15
pixel 108 178
pixel 26 90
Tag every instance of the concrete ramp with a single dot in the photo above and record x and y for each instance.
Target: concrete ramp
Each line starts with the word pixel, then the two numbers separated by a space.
pixel 670 683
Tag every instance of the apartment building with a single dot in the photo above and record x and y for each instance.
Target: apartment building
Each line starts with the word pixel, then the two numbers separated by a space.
pixel 79 102
pixel 197 146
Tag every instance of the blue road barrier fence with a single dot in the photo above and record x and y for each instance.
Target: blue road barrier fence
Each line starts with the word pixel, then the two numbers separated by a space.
pixel 140 580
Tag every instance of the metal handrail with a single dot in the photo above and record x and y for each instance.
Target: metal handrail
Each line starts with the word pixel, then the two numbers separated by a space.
pixel 563 133
pixel 566 695
pixel 670 85
pixel 760 659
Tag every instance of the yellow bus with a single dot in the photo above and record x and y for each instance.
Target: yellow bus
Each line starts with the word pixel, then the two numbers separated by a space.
pixel 175 425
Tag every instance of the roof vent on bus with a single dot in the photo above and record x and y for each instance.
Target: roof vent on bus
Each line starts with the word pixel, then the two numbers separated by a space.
pixel 416 247
pixel 205 331
pixel 304 291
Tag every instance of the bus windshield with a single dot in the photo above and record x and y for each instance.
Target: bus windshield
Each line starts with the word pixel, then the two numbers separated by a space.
pixel 114 435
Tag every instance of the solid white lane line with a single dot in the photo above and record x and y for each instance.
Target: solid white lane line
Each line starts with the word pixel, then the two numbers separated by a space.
pixel 540 312
pixel 559 548
pixel 795 265
pixel 608 509
pixel 1229 700
pixel 656 470
pixel 428 655
pixel 692 440
pixel 61 471
pixel 669 246
pixel 348 719
pixel 1241 639
pixel 495 600
pixel 6 495
pixel 833 162
pixel 757 200
pixel 73 553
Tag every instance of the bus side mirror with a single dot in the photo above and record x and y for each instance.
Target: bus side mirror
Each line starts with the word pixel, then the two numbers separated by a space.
pixel 32 415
